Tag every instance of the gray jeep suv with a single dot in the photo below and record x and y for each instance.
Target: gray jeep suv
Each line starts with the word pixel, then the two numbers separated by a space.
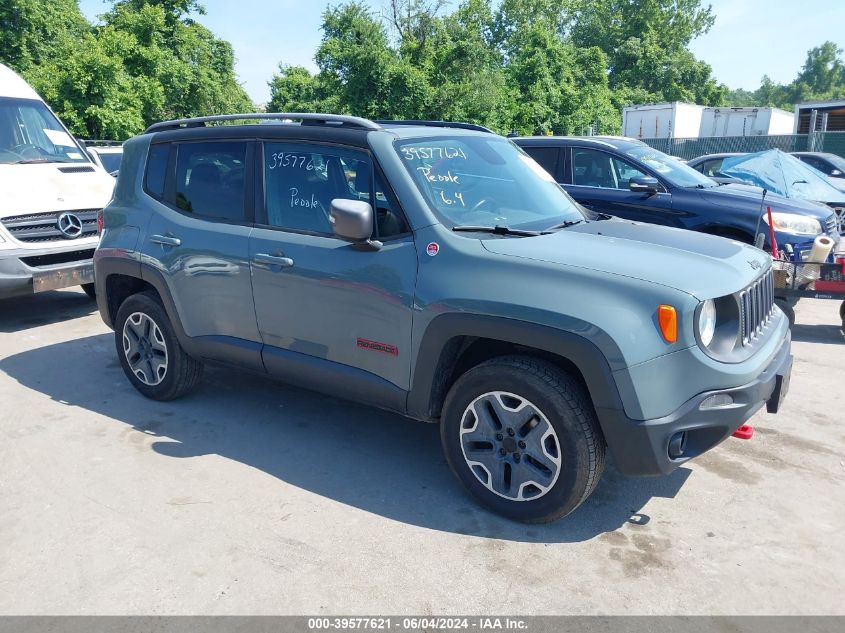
pixel 437 271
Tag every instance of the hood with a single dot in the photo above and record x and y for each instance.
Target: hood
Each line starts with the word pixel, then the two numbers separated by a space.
pixel 732 195
pixel 43 188
pixel 702 265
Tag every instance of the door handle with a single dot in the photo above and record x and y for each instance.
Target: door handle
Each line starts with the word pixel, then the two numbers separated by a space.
pixel 273 260
pixel 165 240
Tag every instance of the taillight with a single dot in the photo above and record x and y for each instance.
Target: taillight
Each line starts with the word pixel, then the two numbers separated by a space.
pixel 100 222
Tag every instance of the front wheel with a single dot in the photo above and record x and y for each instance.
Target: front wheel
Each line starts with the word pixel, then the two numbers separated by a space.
pixel 149 352
pixel 523 438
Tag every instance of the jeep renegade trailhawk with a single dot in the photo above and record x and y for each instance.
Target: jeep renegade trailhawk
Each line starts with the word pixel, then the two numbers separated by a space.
pixel 437 271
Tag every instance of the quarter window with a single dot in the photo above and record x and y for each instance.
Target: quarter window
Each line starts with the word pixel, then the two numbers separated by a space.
pixel 592 168
pixel 157 170
pixel 210 180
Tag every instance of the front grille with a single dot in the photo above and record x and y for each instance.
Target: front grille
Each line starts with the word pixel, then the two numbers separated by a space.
pixel 44 227
pixel 833 224
pixel 51 259
pixel 832 221
pixel 756 306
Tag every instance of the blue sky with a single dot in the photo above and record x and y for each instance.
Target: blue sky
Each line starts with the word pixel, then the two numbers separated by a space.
pixel 751 38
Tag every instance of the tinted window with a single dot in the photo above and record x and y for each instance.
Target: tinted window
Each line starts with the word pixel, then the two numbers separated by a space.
pixel 812 161
pixel 157 169
pixel 210 180
pixel 111 161
pixel 301 180
pixel 547 157
pixel 592 168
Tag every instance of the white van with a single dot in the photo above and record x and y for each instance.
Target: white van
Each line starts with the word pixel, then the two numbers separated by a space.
pixel 50 196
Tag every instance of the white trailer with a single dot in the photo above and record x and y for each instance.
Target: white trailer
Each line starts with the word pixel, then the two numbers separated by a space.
pixel 662 120
pixel 747 121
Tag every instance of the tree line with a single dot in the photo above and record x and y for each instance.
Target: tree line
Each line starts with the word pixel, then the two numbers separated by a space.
pixel 529 66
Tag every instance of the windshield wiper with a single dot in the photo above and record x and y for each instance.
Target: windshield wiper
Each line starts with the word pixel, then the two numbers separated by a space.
pixel 33 161
pixel 495 230
pixel 566 224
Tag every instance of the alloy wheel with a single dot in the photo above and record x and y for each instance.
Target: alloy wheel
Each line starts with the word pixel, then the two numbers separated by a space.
pixel 510 446
pixel 145 348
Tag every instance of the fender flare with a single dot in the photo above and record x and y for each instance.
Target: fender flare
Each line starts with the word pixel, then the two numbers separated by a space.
pixel 578 348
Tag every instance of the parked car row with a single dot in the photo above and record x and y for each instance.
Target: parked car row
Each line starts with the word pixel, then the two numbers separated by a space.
pixel 628 179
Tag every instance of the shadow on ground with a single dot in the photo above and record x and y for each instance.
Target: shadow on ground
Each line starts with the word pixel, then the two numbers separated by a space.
pixel 366 458
pixel 819 333
pixel 21 313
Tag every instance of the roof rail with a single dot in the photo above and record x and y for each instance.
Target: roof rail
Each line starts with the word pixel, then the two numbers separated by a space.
pixel 453 124
pixel 100 143
pixel 337 120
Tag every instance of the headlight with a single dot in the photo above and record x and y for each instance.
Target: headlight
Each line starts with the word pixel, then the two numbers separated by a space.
pixel 707 322
pixel 794 223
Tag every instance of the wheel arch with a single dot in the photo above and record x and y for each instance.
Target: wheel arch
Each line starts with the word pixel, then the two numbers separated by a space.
pixel 454 343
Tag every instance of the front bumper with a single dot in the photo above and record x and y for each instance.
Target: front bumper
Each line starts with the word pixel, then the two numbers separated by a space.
pixel 642 447
pixel 28 271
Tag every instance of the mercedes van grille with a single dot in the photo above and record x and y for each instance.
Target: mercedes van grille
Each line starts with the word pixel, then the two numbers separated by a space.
pixel 44 227
pixel 756 307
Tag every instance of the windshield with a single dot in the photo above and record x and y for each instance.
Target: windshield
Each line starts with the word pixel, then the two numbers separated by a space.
pixel 674 171
pixel 111 160
pixel 30 133
pixel 837 161
pixel 485 181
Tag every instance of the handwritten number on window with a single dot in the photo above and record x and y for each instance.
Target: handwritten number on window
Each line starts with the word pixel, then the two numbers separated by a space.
pixel 291 161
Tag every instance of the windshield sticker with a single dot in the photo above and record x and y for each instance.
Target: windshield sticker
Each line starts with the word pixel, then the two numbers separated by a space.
pixel 74 155
pixel 433 153
pixel 59 137
pixel 535 167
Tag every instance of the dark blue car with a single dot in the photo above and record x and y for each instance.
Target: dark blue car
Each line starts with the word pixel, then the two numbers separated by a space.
pixel 629 179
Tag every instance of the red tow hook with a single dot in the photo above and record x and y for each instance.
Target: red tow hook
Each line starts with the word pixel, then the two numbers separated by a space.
pixel 745 432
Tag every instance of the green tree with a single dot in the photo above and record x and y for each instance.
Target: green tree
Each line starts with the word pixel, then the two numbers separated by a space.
pixel 33 32
pixel 646 43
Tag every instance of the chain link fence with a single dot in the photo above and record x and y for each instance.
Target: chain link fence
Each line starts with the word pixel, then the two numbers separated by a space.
pixel 689 148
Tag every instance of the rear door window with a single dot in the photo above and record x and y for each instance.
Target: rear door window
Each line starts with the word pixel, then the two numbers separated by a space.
pixel 210 180
pixel 547 157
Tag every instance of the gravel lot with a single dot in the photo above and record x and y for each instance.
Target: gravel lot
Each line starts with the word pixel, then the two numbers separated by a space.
pixel 251 497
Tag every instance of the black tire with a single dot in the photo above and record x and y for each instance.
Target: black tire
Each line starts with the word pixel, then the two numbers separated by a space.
pixel 787 309
pixel 181 372
pixel 90 290
pixel 565 405
pixel 842 314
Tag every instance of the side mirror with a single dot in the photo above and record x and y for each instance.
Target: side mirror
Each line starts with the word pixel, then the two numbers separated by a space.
pixel 643 184
pixel 352 220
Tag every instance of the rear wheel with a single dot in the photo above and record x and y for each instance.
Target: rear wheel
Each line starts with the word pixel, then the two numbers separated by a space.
pixel 523 438
pixel 90 290
pixel 149 351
